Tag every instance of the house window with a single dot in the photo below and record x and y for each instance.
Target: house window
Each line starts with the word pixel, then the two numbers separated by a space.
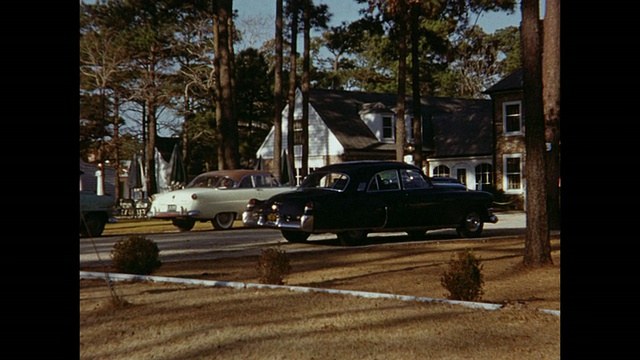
pixel 512 117
pixel 462 175
pixel 297 132
pixel 513 173
pixel 484 175
pixel 441 170
pixel 387 128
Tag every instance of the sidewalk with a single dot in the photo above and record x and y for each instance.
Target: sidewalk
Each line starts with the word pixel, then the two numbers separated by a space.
pixel 513 219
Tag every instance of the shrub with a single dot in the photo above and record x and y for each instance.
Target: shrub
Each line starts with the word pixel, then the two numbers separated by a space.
pixel 273 266
pixel 464 278
pixel 135 255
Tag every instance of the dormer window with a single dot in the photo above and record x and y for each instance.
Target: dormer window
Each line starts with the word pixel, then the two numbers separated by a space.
pixel 387 128
pixel 512 118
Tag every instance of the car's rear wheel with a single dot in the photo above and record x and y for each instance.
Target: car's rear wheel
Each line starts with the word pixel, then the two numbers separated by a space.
pixel 295 236
pixel 92 225
pixel 223 221
pixel 184 224
pixel 352 238
pixel 471 225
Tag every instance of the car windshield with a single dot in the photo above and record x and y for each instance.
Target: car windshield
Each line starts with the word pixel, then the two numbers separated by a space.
pixel 210 181
pixel 326 180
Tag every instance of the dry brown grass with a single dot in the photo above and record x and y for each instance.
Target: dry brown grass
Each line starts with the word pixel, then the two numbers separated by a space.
pixel 175 321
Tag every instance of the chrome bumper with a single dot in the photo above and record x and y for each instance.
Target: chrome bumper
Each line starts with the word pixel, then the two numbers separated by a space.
pixel 172 214
pixel 251 219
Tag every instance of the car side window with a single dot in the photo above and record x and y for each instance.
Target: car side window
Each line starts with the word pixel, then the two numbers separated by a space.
pixel 373 184
pixel 226 183
pixel 245 182
pixel 265 181
pixel 385 180
pixel 412 179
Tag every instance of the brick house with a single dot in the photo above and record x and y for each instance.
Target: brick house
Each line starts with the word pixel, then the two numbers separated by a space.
pixel 508 127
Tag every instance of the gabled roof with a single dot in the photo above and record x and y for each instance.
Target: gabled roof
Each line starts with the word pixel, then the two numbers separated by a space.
pixel 510 83
pixel 461 127
pixel 340 110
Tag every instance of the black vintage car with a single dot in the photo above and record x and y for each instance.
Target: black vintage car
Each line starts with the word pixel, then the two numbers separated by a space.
pixel 352 199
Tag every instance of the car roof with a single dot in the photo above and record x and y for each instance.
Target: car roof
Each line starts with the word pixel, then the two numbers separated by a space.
pixel 367 164
pixel 362 169
pixel 235 174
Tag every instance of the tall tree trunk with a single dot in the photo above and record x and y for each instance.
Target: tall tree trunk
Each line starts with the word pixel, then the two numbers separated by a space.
pixel 401 24
pixel 116 141
pixel 232 145
pixel 537 250
pixel 551 101
pixel 277 96
pixel 217 84
pixel 227 125
pixel 415 84
pixel 151 105
pixel 150 158
pixel 188 116
pixel 305 89
pixel 292 88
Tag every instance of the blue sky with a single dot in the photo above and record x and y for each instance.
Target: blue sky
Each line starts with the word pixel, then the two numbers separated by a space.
pixel 342 10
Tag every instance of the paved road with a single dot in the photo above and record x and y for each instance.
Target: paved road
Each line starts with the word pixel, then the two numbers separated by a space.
pixel 214 244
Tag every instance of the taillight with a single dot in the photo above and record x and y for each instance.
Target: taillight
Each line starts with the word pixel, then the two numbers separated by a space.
pixel 194 196
pixel 251 204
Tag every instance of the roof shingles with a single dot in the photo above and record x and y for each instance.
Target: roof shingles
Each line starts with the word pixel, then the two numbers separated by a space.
pixel 461 127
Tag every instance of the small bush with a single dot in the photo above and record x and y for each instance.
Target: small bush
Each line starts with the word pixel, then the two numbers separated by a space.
pixel 135 255
pixel 273 266
pixel 464 279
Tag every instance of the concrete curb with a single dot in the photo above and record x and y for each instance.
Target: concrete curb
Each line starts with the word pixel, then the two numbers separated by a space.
pixel 239 285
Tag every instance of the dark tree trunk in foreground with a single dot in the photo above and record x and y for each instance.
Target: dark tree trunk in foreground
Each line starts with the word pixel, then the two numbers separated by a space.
pixel 537 250
pixel 306 62
pixel 292 89
pixel 551 100
pixel 277 97
pixel 401 24
pixel 415 84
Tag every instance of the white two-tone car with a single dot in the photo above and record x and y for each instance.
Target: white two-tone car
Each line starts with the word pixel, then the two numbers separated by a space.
pixel 217 196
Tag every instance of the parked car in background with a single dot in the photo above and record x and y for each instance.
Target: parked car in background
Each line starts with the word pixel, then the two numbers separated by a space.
pixel 217 196
pixel 353 199
pixel 447 181
pixel 95 212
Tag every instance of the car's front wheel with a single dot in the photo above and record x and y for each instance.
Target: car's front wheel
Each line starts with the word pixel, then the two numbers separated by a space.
pixel 352 238
pixel 184 224
pixel 471 225
pixel 223 221
pixel 92 225
pixel 295 236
